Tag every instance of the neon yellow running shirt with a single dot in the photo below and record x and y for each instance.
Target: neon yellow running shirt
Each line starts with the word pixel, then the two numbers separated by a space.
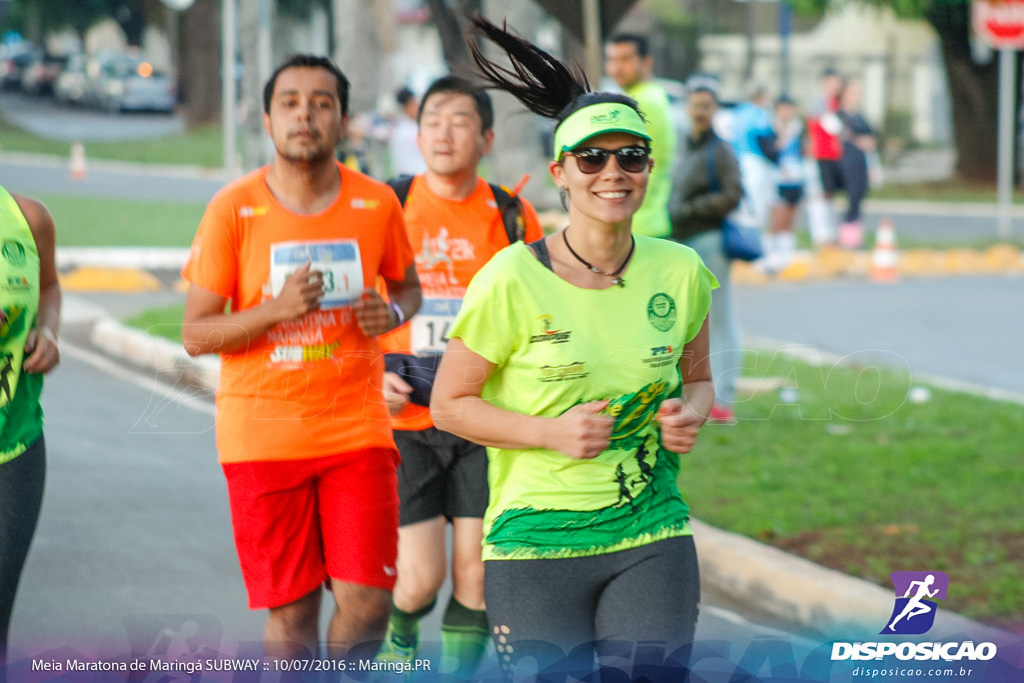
pixel 21 417
pixel 556 345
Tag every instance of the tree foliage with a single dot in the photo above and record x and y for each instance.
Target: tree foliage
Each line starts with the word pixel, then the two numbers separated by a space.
pixel 39 17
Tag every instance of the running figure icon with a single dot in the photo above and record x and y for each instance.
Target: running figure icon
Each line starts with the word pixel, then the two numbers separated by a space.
pixel 915 606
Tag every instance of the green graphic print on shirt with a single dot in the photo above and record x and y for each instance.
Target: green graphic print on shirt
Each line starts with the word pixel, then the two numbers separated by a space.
pixel 556 346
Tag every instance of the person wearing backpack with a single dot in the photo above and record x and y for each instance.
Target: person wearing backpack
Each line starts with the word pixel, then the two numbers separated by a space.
pixel 707 188
pixel 456 222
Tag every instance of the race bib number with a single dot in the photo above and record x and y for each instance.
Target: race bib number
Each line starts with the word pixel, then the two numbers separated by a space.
pixel 338 260
pixel 430 326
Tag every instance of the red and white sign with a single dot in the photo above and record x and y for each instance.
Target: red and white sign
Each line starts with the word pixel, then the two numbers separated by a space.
pixel 1000 23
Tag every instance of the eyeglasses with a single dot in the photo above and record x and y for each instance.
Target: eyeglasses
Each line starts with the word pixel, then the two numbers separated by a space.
pixel 593 159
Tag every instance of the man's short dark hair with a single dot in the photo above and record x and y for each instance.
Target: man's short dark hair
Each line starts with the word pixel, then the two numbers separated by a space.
pixel 643 48
pixel 460 86
pixel 308 62
pixel 705 88
pixel 403 96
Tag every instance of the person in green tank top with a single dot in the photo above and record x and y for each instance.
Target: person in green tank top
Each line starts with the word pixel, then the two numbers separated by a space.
pixel 581 362
pixel 29 322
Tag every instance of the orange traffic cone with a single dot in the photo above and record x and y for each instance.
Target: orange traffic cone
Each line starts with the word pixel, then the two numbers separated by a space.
pixel 78 166
pixel 884 259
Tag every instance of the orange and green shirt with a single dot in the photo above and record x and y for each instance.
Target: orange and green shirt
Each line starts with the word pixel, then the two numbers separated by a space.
pixel 21 416
pixel 309 387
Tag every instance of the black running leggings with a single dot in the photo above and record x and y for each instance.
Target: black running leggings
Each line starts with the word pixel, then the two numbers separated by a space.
pixel 21 494
pixel 558 612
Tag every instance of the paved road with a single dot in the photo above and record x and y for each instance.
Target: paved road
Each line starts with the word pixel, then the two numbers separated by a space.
pixel 135 540
pixel 45 118
pixel 28 175
pixel 966 328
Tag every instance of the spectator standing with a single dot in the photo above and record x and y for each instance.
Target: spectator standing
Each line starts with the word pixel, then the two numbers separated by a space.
pixel 826 149
pixel 708 188
pixel 629 63
pixel 754 144
pixel 402 146
pixel 780 241
pixel 858 143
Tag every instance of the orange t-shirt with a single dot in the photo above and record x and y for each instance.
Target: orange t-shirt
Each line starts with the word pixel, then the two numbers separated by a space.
pixel 309 387
pixel 455 239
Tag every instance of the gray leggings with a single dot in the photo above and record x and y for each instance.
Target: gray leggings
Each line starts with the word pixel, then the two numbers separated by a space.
pixel 21 494
pixel 559 612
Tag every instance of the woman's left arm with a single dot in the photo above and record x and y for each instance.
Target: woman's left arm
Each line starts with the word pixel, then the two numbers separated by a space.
pixel 41 352
pixel 680 418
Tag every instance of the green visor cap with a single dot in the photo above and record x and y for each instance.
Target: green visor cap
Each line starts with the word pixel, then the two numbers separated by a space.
pixel 606 117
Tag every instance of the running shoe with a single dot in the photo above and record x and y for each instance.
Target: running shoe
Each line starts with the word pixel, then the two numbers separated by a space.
pixel 398 649
pixel 722 415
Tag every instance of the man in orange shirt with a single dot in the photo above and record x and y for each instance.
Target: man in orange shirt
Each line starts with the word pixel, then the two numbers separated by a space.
pixel 302 427
pixel 453 217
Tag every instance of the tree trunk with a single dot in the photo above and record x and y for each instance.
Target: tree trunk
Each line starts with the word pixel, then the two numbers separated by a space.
pixel 974 93
pixel 358 52
pixel 453 40
pixel 199 73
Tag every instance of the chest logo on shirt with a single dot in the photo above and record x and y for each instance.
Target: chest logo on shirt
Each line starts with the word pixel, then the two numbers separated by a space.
pixel 14 252
pixel 252 211
pixel 661 312
pixel 17 284
pixel 442 251
pixel 563 373
pixel 360 203
pixel 548 332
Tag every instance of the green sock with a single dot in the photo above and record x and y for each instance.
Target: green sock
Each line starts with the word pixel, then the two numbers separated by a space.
pixel 464 635
pixel 404 626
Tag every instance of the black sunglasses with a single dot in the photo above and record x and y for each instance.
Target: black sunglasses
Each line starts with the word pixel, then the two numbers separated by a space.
pixel 593 159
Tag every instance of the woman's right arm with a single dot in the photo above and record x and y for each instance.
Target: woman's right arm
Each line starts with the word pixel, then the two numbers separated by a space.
pixel 457 407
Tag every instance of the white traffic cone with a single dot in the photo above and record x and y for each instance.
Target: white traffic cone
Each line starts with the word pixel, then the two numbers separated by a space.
pixel 78 168
pixel 884 258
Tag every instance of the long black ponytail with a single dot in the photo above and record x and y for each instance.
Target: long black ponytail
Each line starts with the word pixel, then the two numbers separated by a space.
pixel 541 82
pixel 545 85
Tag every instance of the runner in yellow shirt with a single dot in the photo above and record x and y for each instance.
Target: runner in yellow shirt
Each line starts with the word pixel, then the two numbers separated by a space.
pixel 581 362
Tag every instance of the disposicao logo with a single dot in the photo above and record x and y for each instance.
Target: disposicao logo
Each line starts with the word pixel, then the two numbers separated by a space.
pixel 913 613
pixel 914 610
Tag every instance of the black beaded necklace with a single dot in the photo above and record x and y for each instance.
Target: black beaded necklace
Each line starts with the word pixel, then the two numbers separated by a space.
pixel 615 275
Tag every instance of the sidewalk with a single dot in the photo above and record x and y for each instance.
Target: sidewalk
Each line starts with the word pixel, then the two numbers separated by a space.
pixel 132 269
pixel 757 580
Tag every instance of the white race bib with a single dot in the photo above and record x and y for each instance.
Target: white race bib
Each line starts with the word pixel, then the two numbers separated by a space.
pixel 430 326
pixel 338 260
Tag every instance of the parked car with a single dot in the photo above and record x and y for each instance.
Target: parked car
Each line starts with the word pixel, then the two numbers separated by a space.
pixel 128 82
pixel 39 77
pixel 13 63
pixel 71 86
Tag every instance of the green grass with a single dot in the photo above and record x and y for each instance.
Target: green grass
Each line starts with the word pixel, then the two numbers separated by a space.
pixel 198 147
pixel 858 478
pixel 91 222
pixel 164 321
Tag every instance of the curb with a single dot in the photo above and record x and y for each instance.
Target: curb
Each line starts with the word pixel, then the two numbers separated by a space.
pixel 737 572
pixel 783 589
pixel 125 269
